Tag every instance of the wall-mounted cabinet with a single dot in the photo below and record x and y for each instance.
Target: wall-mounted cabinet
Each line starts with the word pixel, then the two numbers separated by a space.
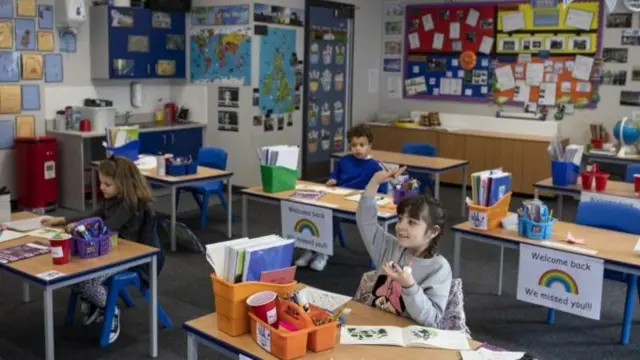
pixel 136 43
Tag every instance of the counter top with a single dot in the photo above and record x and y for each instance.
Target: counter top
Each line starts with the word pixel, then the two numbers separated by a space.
pixel 145 127
pixel 471 132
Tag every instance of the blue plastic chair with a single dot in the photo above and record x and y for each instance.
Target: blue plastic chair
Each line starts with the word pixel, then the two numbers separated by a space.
pixel 422 149
pixel 215 158
pixel 632 169
pixel 620 218
pixel 117 285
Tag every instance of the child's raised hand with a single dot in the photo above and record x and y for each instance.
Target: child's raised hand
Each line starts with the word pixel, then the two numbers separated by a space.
pixel 385 175
pixel 397 274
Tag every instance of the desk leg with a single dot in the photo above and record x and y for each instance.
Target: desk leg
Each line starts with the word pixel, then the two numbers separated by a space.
pixel 94 187
pixel 245 230
pixel 172 230
pixel 457 243
pixel 48 324
pixel 536 193
pixel 559 206
pixel 464 190
pixel 500 271
pixel 192 347
pixel 332 164
pixel 26 292
pixel 437 186
pixel 153 309
pixel 229 208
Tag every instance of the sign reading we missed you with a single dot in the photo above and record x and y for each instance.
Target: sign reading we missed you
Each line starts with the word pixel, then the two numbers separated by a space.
pixel 555 279
pixel 311 226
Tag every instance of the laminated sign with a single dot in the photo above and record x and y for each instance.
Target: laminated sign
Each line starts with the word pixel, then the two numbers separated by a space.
pixel 311 226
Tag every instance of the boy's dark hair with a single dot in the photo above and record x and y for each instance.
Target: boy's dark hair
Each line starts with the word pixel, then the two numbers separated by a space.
pixel 429 210
pixel 360 131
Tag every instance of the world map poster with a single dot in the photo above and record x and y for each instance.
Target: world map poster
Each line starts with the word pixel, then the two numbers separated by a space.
pixel 278 60
pixel 221 55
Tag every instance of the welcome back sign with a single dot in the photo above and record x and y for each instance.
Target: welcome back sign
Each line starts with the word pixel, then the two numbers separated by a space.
pixel 564 281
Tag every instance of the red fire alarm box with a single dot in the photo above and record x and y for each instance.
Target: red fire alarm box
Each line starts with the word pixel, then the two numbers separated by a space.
pixel 36 162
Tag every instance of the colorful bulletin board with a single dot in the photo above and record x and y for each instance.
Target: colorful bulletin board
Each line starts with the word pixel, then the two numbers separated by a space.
pixel 450 47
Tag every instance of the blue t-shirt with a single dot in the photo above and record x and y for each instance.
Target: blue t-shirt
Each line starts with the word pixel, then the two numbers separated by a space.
pixel 351 172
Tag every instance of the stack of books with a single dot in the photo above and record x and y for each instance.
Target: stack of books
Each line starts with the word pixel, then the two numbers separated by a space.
pixel 489 186
pixel 280 155
pixel 266 258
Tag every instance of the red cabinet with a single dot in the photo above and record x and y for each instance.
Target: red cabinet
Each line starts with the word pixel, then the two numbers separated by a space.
pixel 36 163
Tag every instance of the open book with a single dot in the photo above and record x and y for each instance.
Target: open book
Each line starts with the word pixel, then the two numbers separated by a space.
pixel 410 336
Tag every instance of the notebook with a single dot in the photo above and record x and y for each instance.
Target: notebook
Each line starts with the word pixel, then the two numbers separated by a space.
pixel 21 252
pixel 266 257
pixel 410 336
pixel 25 225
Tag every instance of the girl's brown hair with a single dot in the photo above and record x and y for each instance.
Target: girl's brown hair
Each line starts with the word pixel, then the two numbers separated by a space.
pixel 429 210
pixel 134 189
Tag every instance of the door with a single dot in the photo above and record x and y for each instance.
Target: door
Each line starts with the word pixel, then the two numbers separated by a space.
pixel 129 42
pixel 327 78
pixel 167 44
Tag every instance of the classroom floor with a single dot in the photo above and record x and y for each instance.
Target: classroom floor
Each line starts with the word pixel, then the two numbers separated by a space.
pixel 185 293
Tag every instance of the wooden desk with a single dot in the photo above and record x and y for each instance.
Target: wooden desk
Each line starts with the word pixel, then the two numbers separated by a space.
pixel 126 255
pixel 174 183
pixel 342 208
pixel 524 156
pixel 205 331
pixel 614 188
pixel 421 164
pixel 615 248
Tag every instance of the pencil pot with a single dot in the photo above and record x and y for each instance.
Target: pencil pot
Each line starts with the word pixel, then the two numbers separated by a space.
pixel 535 230
pixel 564 173
pixel 191 168
pixel 277 178
pixel 231 302
pixel 489 217
pixel 399 194
pixel 129 150
pixel 95 240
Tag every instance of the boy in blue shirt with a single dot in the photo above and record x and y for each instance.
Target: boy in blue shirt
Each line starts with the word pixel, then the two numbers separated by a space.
pixel 352 171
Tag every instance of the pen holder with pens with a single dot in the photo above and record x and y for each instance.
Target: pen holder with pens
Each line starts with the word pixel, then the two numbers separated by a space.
pixel 292 343
pixel 408 188
pixel 180 167
pixel 564 173
pixel 277 178
pixel 231 302
pixel 535 230
pixel 91 238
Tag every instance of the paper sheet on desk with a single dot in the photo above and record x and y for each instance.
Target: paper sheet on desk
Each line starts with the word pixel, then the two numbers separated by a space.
pixel 8 235
pixel 327 189
pixel 25 225
pixel 379 199
pixel 324 299
pixel 486 354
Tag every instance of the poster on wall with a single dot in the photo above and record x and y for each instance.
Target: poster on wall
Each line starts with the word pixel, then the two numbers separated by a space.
pixel 220 15
pixel 327 95
pixel 228 121
pixel 228 97
pixel 278 61
pixel 221 55
pixel 278 15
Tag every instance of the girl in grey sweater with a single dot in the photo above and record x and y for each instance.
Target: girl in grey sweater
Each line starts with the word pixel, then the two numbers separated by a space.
pixel 413 279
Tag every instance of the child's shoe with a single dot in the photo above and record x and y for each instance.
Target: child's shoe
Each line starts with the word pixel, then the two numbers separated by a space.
pixel 115 327
pixel 89 312
pixel 319 262
pixel 305 259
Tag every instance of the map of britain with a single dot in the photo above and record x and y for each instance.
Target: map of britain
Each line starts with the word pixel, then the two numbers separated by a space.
pixel 277 74
pixel 221 57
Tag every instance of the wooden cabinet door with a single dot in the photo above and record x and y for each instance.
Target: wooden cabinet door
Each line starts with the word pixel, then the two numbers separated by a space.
pixel 452 146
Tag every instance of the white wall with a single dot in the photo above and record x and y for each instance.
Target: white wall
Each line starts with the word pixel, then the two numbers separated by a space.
pixel 575 126
pixel 242 145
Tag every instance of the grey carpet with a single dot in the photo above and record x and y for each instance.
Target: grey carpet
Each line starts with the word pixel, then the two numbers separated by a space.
pixel 185 293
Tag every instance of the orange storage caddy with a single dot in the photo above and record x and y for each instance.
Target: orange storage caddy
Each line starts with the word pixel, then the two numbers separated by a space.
pixel 285 344
pixel 231 302
pixel 489 218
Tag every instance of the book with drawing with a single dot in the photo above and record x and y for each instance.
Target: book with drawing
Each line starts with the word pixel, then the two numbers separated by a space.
pixel 410 336
pixel 21 252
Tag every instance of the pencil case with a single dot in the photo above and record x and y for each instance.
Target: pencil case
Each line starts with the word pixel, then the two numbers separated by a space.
pixel 98 243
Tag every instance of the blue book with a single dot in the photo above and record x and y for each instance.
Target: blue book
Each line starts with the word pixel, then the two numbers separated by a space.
pixel 267 257
pixel 500 186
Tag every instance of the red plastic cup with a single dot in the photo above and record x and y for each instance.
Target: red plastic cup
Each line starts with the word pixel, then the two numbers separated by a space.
pixel 263 306
pixel 60 250
pixel 601 181
pixel 597 143
pixel 586 179
pixel 636 183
